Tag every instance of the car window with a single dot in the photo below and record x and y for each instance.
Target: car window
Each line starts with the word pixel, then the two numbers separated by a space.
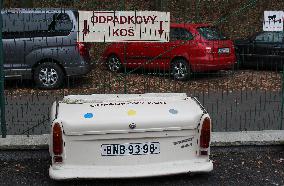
pixel 27 25
pixel 210 33
pixel 180 34
pixel 60 23
pixel 269 37
pixel 173 34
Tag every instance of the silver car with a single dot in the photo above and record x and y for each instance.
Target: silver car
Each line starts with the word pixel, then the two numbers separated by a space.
pixel 41 44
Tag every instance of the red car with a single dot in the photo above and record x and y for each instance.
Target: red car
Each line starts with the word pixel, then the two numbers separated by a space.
pixel 192 48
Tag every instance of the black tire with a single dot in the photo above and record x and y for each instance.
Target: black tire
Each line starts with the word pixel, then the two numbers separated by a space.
pixel 113 63
pixel 180 69
pixel 48 75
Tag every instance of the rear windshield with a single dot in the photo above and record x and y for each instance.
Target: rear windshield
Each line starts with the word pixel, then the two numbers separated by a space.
pixel 211 33
pixel 25 25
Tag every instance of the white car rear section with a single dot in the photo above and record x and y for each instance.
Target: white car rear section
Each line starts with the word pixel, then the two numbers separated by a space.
pixel 96 136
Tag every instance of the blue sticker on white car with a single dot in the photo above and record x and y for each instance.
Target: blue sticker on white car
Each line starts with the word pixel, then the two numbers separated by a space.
pixel 88 115
pixel 173 111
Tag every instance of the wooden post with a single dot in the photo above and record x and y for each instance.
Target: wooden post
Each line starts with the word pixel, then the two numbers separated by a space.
pixel 24 3
pixel 157 4
pixel 164 5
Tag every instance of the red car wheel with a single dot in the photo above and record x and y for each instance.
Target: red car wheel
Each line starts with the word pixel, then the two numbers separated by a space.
pixel 113 63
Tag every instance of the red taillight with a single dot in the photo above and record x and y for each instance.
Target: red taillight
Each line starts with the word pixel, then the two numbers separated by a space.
pixel 57 159
pixel 205 133
pixel 57 139
pixel 209 50
pixel 83 49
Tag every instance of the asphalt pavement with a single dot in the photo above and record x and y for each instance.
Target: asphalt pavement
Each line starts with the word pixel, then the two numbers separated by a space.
pixel 232 166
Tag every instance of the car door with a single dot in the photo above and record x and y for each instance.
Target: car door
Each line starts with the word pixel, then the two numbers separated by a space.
pixel 245 52
pixel 133 54
pixel 23 32
pixel 159 54
pixel 181 42
pixel 154 55
pixel 146 55
pixel 13 48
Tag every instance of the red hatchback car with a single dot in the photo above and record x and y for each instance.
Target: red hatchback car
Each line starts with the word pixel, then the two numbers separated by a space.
pixel 192 48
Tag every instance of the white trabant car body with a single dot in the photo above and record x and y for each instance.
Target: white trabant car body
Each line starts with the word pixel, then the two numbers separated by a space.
pixel 126 136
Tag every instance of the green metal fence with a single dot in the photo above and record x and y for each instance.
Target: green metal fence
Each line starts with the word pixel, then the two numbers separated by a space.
pixel 2 96
pixel 239 99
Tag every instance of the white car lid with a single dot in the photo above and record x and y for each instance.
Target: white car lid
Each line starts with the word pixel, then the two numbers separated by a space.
pixel 115 113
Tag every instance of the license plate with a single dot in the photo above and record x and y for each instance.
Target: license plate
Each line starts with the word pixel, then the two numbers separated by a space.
pixel 223 50
pixel 130 149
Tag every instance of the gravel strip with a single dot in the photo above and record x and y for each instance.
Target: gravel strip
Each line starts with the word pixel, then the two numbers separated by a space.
pixel 100 80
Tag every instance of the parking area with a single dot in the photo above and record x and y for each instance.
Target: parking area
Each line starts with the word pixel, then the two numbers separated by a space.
pixel 102 80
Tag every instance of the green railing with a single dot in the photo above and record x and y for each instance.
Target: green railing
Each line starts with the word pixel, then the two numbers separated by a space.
pixel 239 99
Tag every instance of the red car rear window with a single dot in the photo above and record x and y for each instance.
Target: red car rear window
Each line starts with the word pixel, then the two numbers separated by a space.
pixel 211 33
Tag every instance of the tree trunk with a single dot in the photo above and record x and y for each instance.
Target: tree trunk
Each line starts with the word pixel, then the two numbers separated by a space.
pixel 24 3
pixel 65 2
pixel 158 4
pixel 161 5
pixel 164 5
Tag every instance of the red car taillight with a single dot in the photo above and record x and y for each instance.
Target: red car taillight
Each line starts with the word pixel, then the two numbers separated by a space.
pixel 205 133
pixel 57 142
pixel 209 50
pixel 83 49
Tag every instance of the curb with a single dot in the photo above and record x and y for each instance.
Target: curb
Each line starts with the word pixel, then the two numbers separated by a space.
pixel 266 137
pixel 25 142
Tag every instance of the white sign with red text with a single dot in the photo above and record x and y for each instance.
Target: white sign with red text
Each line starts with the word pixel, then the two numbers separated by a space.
pixel 273 21
pixel 123 26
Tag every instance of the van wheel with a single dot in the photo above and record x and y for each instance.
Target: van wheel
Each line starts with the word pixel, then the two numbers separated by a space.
pixel 48 76
pixel 180 69
pixel 113 63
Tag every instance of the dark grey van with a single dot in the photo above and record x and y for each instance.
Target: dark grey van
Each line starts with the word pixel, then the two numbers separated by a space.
pixel 41 44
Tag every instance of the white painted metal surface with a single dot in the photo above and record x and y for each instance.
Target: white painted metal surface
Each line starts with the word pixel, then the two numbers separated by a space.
pixel 124 26
pixel 273 21
pixel 91 123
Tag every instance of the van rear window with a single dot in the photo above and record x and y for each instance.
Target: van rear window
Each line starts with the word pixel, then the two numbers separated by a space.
pixel 211 33
pixel 26 25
